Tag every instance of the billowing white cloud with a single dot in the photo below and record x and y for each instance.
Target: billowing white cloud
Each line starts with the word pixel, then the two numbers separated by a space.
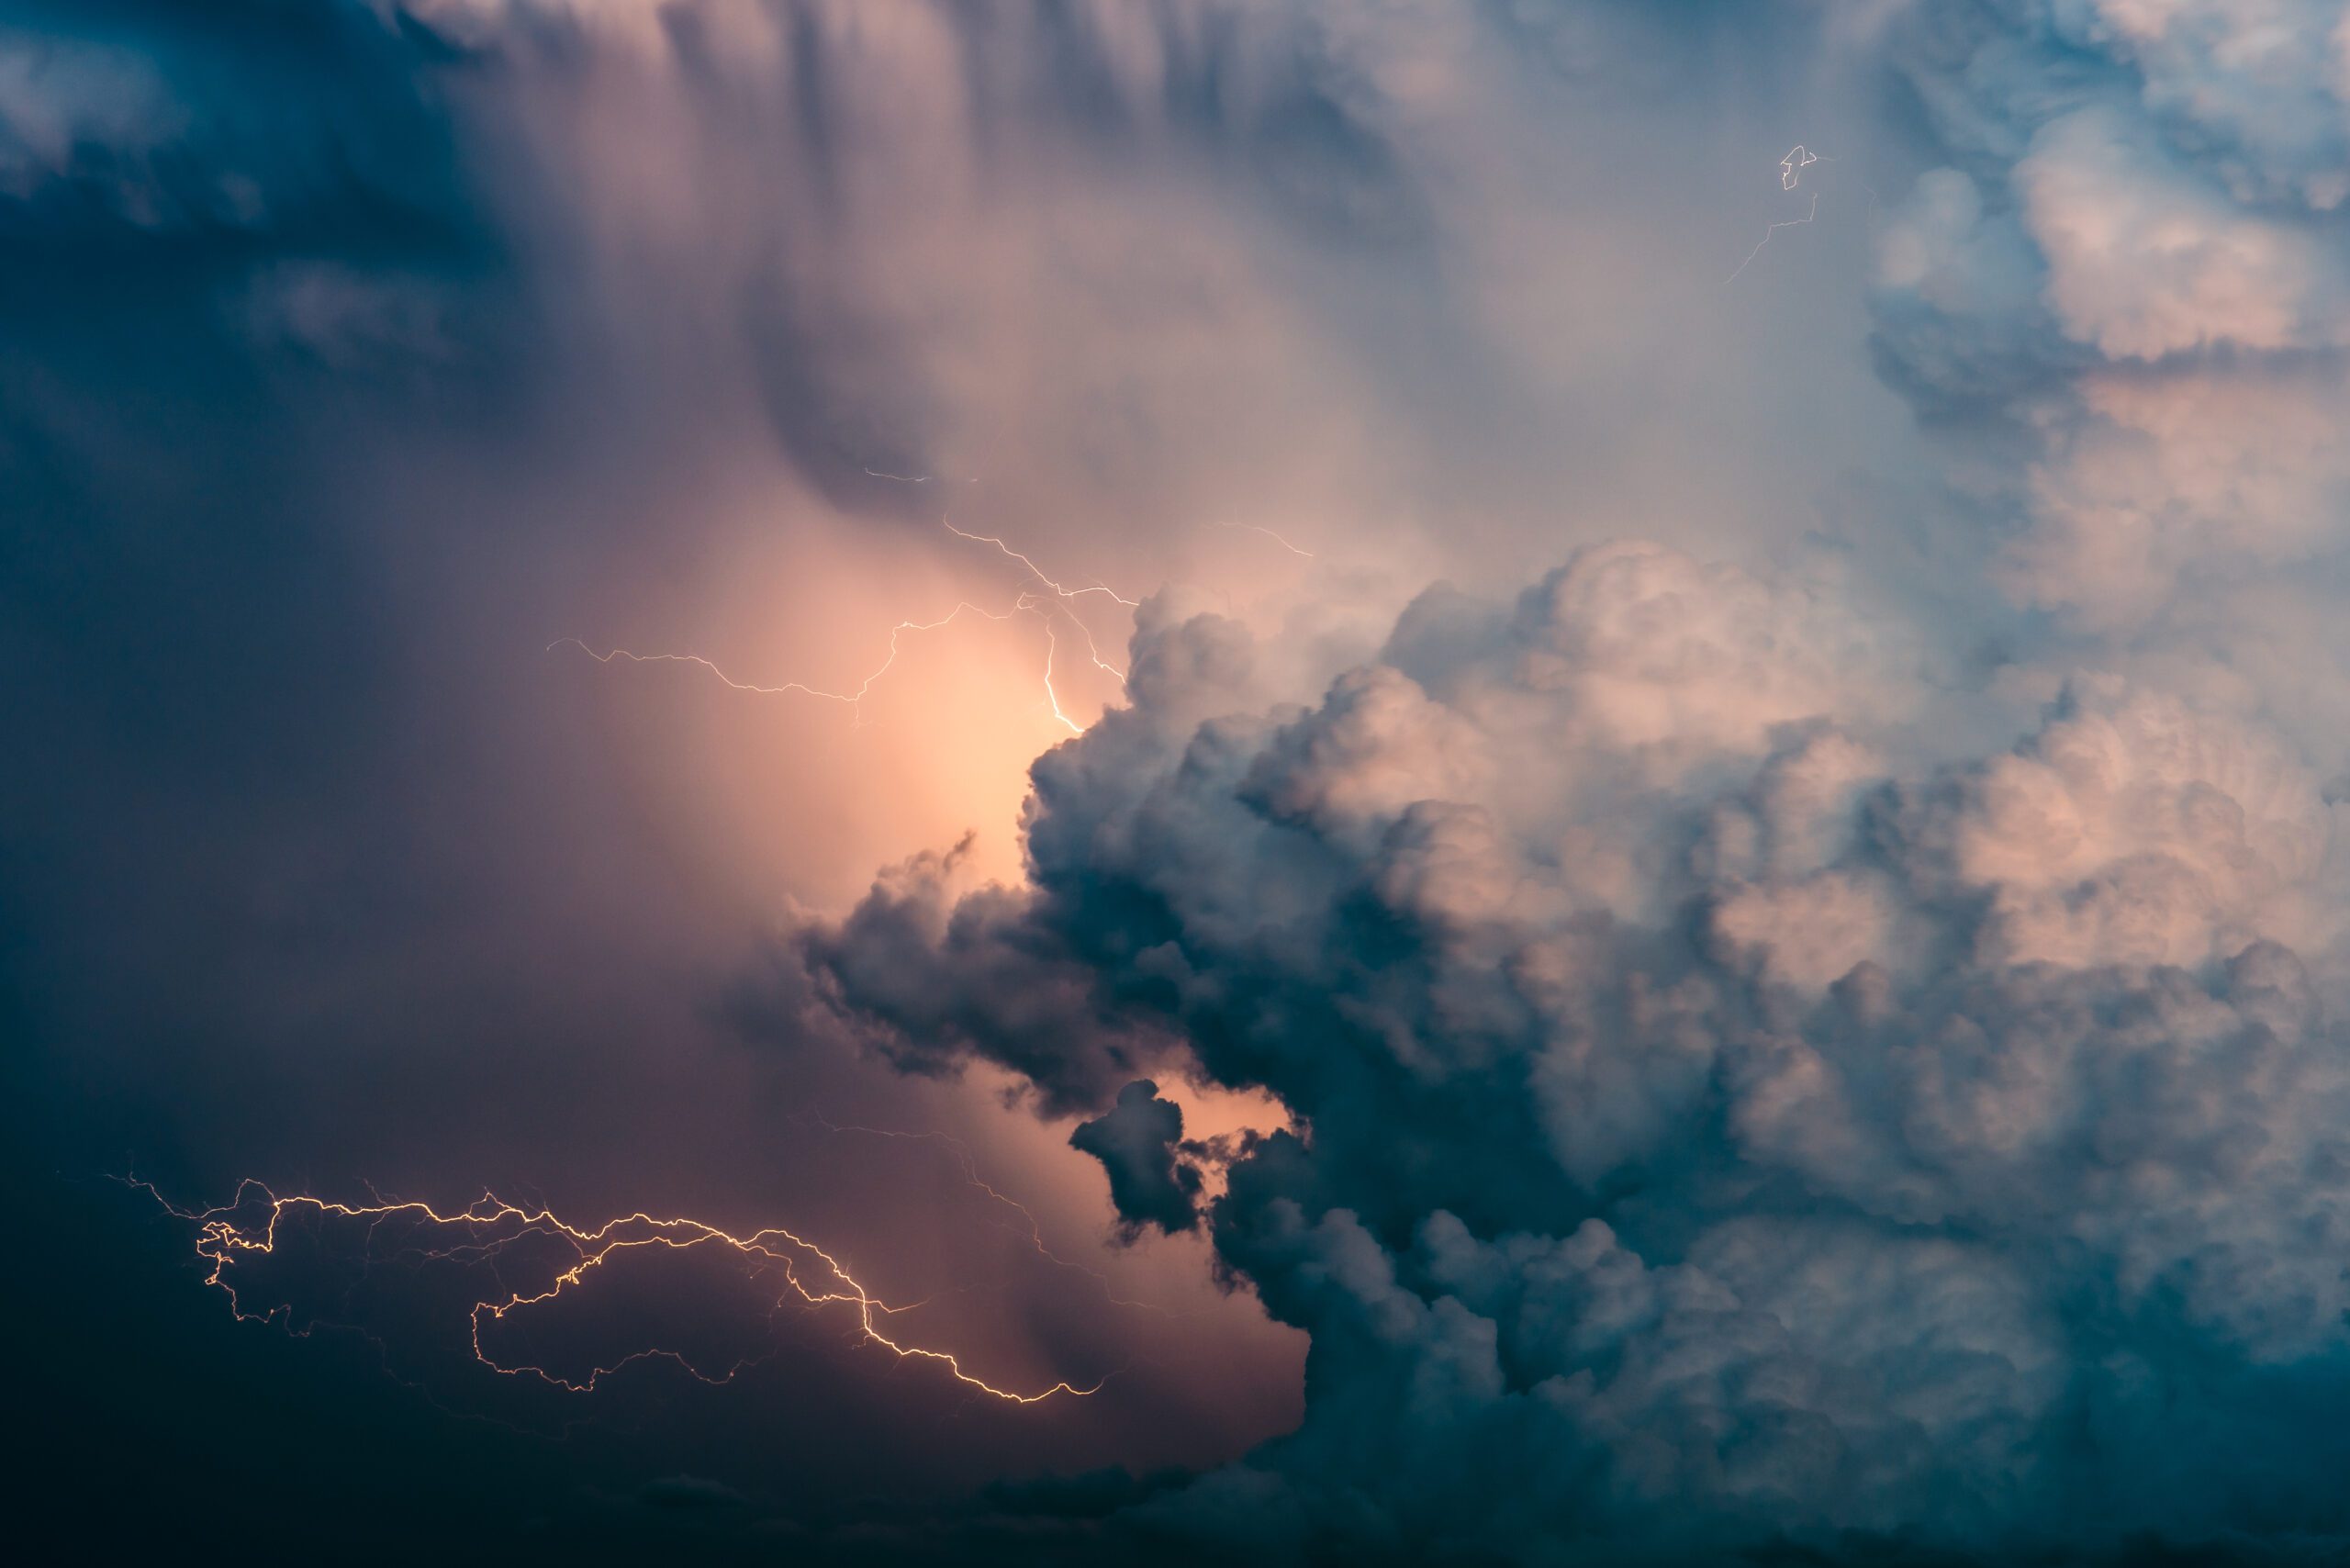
pixel 1726 1115
pixel 2143 263
pixel 2136 260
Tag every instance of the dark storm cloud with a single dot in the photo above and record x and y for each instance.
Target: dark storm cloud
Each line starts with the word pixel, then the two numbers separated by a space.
pixel 320 377
pixel 202 209
pixel 1139 1142
pixel 1023 1003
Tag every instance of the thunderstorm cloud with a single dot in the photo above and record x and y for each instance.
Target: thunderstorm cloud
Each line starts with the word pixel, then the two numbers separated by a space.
pixel 1764 861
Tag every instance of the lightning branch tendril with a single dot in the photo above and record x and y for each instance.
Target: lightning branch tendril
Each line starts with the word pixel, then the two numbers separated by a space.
pixel 853 699
pixel 968 1165
pixel 487 1227
pixel 1254 528
pixel 1791 168
pixel 1045 599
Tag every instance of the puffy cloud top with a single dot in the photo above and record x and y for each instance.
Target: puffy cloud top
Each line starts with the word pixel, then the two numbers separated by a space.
pixel 1719 1121
pixel 2134 256
pixel 1782 1060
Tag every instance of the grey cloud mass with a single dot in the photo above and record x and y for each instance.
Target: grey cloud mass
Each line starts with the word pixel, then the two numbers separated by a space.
pixel 1763 1082
pixel 1139 1143
pixel 1830 1146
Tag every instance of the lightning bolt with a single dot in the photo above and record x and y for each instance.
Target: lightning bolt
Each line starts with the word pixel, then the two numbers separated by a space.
pixel 1067 596
pixel 1791 168
pixel 1047 599
pixel 968 1165
pixel 854 699
pixel 1269 533
pixel 490 1227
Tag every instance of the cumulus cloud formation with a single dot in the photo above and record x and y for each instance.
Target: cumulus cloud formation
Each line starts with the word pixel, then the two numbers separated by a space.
pixel 1138 1143
pixel 1752 1087
pixel 1833 1143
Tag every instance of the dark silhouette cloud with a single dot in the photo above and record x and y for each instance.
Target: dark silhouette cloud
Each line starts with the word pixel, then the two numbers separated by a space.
pixel 1139 1142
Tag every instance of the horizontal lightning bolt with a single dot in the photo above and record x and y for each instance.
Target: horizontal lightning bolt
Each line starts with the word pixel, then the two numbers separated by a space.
pixel 489 1226
pixel 853 700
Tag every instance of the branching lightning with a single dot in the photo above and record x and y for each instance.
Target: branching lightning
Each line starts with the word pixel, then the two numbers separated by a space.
pixel 247 1227
pixel 1067 596
pixel 1044 597
pixel 853 699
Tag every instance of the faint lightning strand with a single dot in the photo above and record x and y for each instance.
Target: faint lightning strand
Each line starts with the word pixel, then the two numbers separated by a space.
pixel 971 1177
pixel 1789 223
pixel 222 1241
pixel 1029 603
pixel 1034 572
pixel 1269 533
pixel 1791 169
pixel 854 700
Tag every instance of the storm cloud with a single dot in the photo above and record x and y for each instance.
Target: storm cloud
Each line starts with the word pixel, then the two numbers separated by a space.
pixel 1732 1128
pixel 1761 825
pixel 1762 1077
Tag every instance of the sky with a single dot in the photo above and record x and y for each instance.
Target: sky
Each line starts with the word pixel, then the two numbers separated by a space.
pixel 884 781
